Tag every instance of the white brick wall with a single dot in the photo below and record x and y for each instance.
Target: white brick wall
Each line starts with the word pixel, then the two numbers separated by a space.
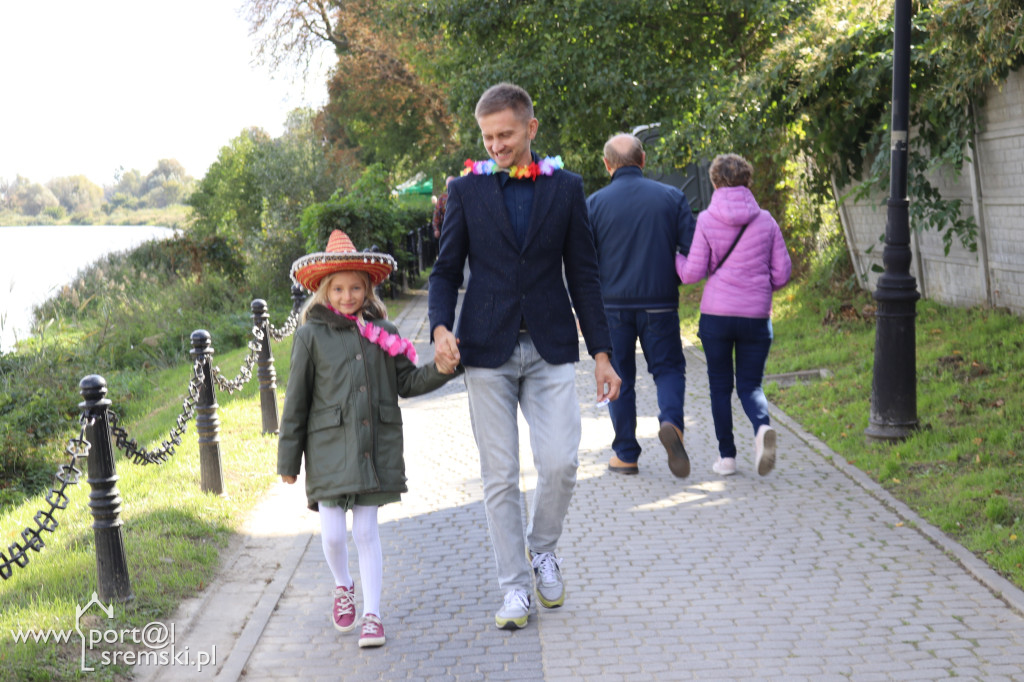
pixel 960 278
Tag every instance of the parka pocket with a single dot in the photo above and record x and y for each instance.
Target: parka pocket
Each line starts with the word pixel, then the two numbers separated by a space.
pixel 324 418
pixel 390 414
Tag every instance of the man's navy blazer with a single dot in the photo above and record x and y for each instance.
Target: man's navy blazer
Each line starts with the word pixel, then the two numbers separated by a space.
pixel 507 284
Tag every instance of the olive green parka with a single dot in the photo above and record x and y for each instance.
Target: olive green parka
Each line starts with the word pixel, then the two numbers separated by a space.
pixel 341 409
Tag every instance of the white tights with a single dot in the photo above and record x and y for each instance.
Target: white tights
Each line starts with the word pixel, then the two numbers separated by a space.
pixel 367 540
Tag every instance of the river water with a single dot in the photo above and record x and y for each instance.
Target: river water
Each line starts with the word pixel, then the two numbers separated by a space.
pixel 36 261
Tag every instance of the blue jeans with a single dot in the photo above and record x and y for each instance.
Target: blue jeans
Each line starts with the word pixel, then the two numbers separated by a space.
pixel 750 338
pixel 663 349
pixel 547 396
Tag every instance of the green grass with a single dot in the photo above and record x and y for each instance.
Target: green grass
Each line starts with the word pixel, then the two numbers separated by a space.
pixel 963 469
pixel 173 532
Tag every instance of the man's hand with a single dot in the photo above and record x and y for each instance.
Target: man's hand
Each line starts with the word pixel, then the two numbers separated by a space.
pixel 608 382
pixel 288 479
pixel 446 349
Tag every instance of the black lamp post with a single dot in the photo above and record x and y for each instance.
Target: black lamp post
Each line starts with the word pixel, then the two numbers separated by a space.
pixel 894 387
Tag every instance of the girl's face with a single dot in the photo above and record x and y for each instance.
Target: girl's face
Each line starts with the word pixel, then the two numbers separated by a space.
pixel 346 292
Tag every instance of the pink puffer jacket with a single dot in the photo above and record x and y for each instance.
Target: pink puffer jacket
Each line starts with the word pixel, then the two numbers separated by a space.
pixel 759 264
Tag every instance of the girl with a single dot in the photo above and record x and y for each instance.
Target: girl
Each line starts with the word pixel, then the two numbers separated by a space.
pixel 739 248
pixel 341 413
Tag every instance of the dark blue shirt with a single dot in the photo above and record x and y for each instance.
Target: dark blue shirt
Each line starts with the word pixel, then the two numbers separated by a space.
pixel 518 196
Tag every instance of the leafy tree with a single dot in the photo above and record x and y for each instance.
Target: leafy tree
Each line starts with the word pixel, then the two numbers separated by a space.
pixel 127 183
pixel 595 67
pixel 32 198
pixel 379 109
pixel 227 202
pixel 76 193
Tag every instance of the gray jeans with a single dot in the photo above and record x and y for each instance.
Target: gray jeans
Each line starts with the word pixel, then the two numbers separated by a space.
pixel 547 395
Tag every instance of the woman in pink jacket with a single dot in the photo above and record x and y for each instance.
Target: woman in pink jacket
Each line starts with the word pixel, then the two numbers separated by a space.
pixel 739 248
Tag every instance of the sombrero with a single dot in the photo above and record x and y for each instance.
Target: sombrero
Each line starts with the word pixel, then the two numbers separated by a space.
pixel 341 255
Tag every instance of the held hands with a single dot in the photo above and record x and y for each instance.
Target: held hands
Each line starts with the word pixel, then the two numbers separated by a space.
pixel 443 366
pixel 446 350
pixel 608 381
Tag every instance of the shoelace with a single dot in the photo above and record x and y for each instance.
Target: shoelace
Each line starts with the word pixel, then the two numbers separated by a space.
pixel 345 603
pixel 371 625
pixel 547 566
pixel 517 598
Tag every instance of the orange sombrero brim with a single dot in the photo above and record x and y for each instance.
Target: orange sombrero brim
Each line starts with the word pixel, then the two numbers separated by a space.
pixel 310 270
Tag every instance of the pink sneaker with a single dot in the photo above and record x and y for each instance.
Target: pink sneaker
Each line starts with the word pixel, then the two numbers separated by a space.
pixel 344 613
pixel 373 631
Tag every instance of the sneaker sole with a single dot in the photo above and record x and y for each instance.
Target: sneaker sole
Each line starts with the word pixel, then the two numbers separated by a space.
pixel 511 623
pixel 553 604
pixel 678 462
pixel 767 462
pixel 339 628
pixel 368 642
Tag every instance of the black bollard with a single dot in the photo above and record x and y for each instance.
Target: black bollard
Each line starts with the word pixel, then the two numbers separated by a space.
pixel 298 298
pixel 105 498
pixel 211 474
pixel 265 368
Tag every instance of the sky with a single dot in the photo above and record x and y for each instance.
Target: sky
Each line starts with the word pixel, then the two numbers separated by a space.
pixel 92 86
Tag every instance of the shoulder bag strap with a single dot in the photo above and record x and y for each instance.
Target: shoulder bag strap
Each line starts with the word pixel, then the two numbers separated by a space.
pixel 734 242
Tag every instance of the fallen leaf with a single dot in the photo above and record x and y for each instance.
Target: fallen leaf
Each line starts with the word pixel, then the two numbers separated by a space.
pixel 935 331
pixel 895 480
pixel 977 441
pixel 899 524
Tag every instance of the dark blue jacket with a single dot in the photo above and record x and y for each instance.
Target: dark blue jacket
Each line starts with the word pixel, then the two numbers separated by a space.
pixel 508 284
pixel 638 225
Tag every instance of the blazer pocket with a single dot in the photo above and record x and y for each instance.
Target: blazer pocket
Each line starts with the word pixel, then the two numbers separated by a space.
pixel 324 418
pixel 390 414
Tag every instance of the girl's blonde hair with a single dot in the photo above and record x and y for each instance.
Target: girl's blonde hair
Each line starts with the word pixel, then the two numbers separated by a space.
pixel 372 305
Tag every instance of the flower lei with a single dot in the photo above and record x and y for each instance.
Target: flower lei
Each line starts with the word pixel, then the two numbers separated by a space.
pixel 547 166
pixel 393 344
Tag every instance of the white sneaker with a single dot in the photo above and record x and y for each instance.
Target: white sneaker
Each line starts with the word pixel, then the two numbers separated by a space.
pixel 550 587
pixel 514 613
pixel 764 449
pixel 726 466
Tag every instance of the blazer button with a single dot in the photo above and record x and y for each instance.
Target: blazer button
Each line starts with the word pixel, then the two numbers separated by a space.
pixel 362 389
pixel 366 454
pixel 366 422
pixel 359 356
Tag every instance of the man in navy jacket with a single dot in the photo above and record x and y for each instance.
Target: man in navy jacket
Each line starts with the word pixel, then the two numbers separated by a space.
pixel 521 222
pixel 638 225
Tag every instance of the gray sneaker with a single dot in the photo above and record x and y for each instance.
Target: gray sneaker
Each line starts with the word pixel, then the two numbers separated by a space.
pixel 550 588
pixel 514 613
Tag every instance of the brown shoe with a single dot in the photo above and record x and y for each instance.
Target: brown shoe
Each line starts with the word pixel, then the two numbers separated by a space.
pixel 672 438
pixel 617 466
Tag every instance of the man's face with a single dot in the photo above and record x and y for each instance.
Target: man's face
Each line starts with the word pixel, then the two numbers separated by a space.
pixel 507 137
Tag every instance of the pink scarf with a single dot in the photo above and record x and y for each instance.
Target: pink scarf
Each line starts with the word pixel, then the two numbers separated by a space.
pixel 393 344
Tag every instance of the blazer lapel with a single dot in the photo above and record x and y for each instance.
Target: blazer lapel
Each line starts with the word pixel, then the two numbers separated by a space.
pixel 544 190
pixel 492 198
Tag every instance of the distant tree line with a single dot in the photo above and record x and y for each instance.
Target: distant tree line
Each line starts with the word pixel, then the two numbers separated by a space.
pixel 77 195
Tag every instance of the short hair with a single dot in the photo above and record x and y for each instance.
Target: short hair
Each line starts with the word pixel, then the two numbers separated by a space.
pixel 730 170
pixel 633 156
pixel 505 96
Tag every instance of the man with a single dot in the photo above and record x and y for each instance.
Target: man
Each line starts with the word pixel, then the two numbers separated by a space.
pixel 517 337
pixel 638 225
